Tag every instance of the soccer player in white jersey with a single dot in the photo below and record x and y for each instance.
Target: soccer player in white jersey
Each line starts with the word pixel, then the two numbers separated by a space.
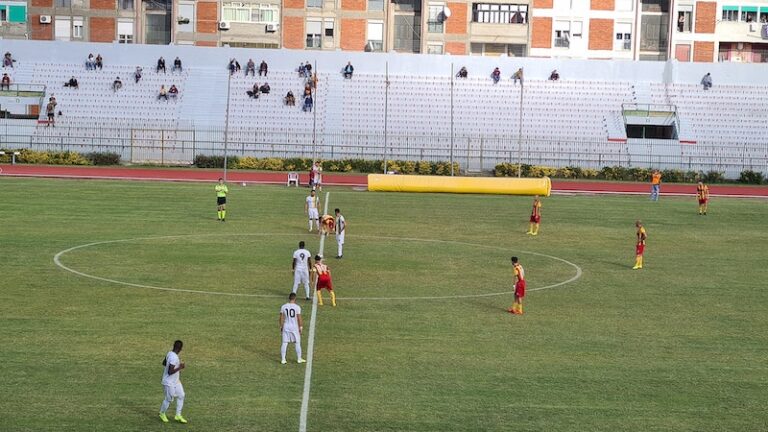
pixel 302 260
pixel 310 208
pixel 172 365
pixel 291 326
pixel 341 230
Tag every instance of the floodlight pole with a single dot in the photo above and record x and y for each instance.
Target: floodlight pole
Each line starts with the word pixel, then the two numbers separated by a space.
pixel 386 106
pixel 520 133
pixel 226 126
pixel 451 152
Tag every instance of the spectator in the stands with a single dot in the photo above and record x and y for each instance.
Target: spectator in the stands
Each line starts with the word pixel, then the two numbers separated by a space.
pixel 265 88
pixel 250 68
pixel 462 72
pixel 308 67
pixel 307 104
pixel 554 75
pixel 160 65
pixel 6 82
pixel 302 70
pixel 99 61
pixel 312 81
pixel 173 92
pixel 290 100
pixel 263 68
pixel 254 92
pixel 137 74
pixel 50 111
pixel 706 81
pixel 117 84
pixel 348 70
pixel 72 83
pixel 90 62
pixel 8 60
pixel 518 76
pixel 234 66
pixel 496 75
pixel 177 65
pixel 163 93
pixel 307 90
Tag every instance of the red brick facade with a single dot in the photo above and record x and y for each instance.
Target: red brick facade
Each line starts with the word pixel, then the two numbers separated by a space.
pixel 293 32
pixel 104 4
pixel 541 32
pixel 205 43
pixel 207 20
pixel 40 31
pixel 102 29
pixel 608 5
pixel 705 17
pixel 456 48
pixel 542 4
pixel 457 24
pixel 353 5
pixel 42 3
pixel 600 34
pixel 353 34
pixel 704 52
pixel 293 4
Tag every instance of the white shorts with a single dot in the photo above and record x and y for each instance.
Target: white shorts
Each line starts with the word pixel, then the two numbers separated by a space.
pixel 313 214
pixel 301 277
pixel 340 238
pixel 291 336
pixel 173 391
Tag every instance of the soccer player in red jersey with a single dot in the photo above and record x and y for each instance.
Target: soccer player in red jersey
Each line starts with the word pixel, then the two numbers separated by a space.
pixel 702 193
pixel 322 279
pixel 517 306
pixel 640 246
pixel 535 217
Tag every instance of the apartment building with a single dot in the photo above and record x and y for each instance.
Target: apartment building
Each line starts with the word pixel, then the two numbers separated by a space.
pixel 727 31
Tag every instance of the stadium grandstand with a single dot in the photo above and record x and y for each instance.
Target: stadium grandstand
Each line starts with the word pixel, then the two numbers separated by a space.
pixel 599 113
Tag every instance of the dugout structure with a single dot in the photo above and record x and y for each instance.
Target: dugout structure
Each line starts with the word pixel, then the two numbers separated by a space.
pixel 479 185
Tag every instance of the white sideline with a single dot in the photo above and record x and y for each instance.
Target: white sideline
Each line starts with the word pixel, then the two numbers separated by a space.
pixel 311 342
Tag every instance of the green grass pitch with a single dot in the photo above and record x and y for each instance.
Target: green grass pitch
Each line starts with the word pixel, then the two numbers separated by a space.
pixel 678 346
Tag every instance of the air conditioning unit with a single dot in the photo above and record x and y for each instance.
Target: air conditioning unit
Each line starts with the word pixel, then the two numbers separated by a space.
pixel 182 20
pixel 45 19
pixel 271 28
pixel 224 25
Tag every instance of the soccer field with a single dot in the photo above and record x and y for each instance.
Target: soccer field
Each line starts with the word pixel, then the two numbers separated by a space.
pixel 420 340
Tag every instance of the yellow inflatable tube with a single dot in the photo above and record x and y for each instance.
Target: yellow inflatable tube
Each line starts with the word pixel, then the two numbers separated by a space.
pixel 478 185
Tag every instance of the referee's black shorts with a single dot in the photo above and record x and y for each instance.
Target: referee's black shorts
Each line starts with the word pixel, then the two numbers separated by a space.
pixel 221 200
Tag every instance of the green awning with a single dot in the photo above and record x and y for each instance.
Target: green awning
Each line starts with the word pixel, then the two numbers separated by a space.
pixel 764 10
pixel 17 14
pixel 749 8
pixel 730 8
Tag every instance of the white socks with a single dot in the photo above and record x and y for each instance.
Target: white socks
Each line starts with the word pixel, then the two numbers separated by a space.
pixel 284 348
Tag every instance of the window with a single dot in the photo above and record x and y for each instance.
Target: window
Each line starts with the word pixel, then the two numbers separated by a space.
pixel 764 15
pixel 730 13
pixel 749 14
pixel 77 27
pixel 125 32
pixel 375 5
pixel 314 28
pixel 62 28
pixel 576 29
pixel 624 5
pixel 375 36
pixel 3 14
pixel 655 6
pixel 684 18
pixel 328 27
pixel 653 32
pixel 435 18
pixel 13 13
pixel 434 48
pixel 126 4
pixel 623 40
pixel 249 13
pixel 64 3
pixel 407 33
pixel 562 34
pixel 499 13
pixel 185 12
pixel 315 3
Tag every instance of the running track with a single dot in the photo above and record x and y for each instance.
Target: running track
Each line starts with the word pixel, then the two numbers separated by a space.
pixel 198 175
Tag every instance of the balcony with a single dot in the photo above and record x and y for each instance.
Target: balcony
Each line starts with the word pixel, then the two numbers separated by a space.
pixel 739 31
pixel 499 33
pixel 562 42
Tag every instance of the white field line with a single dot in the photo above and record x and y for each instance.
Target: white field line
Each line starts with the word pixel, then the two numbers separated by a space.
pixel 311 342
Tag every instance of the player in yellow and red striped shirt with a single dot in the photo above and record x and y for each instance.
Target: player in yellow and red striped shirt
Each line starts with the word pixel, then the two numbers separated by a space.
pixel 535 217
pixel 640 246
pixel 519 276
pixel 702 193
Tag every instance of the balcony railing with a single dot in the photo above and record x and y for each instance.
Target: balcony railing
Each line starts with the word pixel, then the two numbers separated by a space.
pixel 562 43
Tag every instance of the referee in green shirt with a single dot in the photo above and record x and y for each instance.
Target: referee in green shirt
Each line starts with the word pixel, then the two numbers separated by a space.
pixel 221 200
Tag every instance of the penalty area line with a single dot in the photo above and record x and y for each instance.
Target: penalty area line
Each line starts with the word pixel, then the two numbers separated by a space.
pixel 311 342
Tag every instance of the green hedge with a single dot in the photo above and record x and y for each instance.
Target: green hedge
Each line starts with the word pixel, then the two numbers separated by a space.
pixel 27 156
pixel 618 173
pixel 343 165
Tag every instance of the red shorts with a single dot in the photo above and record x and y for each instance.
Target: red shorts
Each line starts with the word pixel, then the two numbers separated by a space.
pixel 324 281
pixel 535 219
pixel 520 289
pixel 639 249
pixel 702 200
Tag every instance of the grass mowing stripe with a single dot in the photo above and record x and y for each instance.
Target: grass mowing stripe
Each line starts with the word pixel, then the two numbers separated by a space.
pixel 311 342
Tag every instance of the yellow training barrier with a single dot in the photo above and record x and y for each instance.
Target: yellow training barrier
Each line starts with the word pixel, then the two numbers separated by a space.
pixel 479 185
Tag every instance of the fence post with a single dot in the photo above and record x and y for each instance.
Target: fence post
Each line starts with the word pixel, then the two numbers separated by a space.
pixel 162 147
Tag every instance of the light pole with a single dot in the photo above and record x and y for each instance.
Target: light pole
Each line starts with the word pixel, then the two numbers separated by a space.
pixel 520 132
pixel 451 152
pixel 226 126
pixel 386 109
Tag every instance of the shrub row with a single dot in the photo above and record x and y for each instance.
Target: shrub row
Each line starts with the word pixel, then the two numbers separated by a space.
pixel 623 174
pixel 27 156
pixel 343 165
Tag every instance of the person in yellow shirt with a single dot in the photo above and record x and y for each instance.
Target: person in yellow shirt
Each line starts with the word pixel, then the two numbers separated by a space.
pixel 535 219
pixel 655 185
pixel 640 246
pixel 702 193
pixel 221 200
